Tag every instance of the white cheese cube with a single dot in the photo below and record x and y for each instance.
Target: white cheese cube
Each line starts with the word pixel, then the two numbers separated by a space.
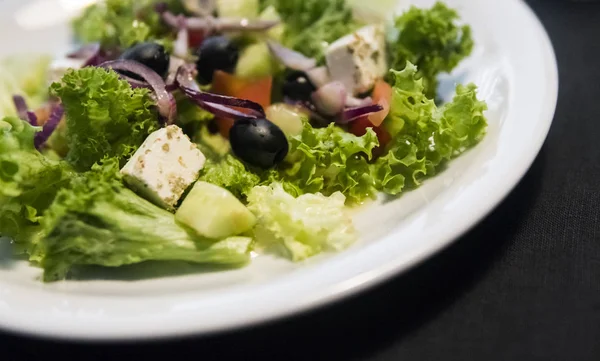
pixel 164 166
pixel 358 60
pixel 59 67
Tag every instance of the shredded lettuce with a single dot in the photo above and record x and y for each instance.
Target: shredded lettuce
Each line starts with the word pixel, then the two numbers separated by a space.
pixel 425 136
pixel 105 117
pixel 303 226
pixel 432 40
pixel 97 221
pixel 123 23
pixel 28 181
pixel 311 25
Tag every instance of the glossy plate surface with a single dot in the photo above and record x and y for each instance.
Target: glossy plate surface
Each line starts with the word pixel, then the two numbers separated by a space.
pixel 515 68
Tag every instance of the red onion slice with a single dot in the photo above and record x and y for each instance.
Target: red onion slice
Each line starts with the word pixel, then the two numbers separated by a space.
pixel 222 111
pixel 218 105
pixel 290 58
pixel 255 108
pixel 164 100
pixel 353 113
pixel 180 48
pixel 135 83
pixel 330 99
pixel 174 64
pixel 184 76
pixel 318 76
pixel 90 53
pixel 21 107
pixel 210 24
pixel 32 118
pixel 49 127
pixel 23 110
pixel 185 79
pixel 353 102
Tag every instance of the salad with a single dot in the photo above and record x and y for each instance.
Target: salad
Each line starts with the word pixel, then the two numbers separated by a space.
pixel 203 131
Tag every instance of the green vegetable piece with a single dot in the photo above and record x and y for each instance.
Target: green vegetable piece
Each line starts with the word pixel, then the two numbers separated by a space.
pixel 276 32
pixel 213 146
pixel 123 23
pixel 433 41
pixel 29 182
pixel 238 8
pixel 231 174
pixel 330 160
pixel 303 226
pixel 311 25
pixel 256 61
pixel 425 136
pixel 98 221
pixel 287 117
pixel 213 212
pixel 105 117
pixel 24 75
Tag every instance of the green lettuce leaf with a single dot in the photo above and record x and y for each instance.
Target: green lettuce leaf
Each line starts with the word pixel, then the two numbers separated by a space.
pixel 123 23
pixel 311 25
pixel 105 117
pixel 425 137
pixel 97 221
pixel 28 181
pixel 231 174
pixel 303 226
pixel 329 160
pixel 432 40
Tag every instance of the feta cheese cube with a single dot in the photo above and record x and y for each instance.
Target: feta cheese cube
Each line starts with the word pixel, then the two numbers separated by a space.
pixel 164 166
pixel 358 60
pixel 59 67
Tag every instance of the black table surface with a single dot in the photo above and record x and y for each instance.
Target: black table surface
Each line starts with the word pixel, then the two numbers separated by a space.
pixel 523 285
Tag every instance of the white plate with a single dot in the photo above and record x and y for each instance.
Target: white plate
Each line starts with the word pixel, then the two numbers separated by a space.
pixel 515 68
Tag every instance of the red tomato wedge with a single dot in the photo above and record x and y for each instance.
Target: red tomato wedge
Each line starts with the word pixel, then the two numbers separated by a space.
pixel 359 127
pixel 258 90
pixel 195 38
pixel 382 95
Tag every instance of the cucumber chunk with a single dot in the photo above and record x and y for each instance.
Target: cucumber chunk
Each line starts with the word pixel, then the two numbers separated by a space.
pixel 214 212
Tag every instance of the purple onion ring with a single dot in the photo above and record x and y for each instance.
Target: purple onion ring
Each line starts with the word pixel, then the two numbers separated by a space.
pixel 49 127
pixel 164 99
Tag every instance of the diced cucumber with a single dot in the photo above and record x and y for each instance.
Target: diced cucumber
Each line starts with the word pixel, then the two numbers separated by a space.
pixel 290 119
pixel 270 13
pixel 256 61
pixel 376 11
pixel 238 8
pixel 214 212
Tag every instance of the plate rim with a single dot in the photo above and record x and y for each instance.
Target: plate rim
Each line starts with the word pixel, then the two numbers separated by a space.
pixel 65 330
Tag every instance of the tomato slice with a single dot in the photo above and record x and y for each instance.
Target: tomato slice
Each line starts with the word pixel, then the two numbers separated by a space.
pixel 382 95
pixel 359 127
pixel 195 38
pixel 256 89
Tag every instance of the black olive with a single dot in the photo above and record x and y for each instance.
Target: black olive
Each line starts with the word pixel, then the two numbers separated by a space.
pixel 151 55
pixel 216 53
pixel 258 142
pixel 297 86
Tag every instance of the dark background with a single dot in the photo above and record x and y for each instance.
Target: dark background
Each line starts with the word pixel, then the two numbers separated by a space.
pixel 523 285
